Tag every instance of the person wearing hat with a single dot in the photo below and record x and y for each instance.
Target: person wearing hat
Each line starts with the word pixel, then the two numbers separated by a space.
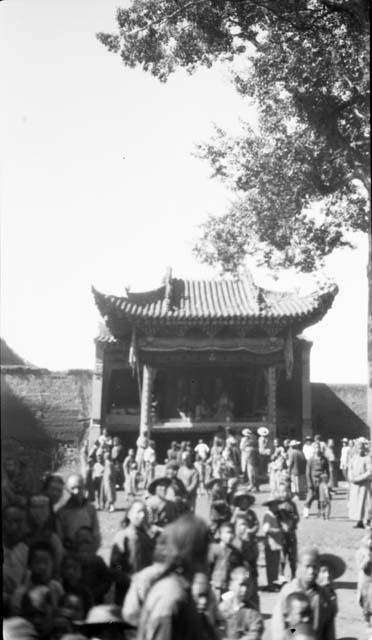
pixel 345 458
pixel 331 567
pixel 104 622
pixel 246 543
pixel 242 502
pixel 273 542
pixel 263 451
pixel 190 478
pixel 161 511
pixel 306 582
pixel 176 491
pixel 360 474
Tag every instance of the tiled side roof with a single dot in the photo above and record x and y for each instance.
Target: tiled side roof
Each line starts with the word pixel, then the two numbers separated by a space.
pixel 194 300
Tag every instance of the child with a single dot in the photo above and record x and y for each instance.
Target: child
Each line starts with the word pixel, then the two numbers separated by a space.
pixel 38 609
pixel 243 501
pixel 41 567
pixel 95 572
pixel 97 475
pixel 42 527
pixel 248 547
pixel 325 496
pixel 274 542
pixel 241 618
pixel 206 606
pixel 219 511
pixel 364 588
pixel 72 580
pixel 132 549
pixel 299 616
pixel 108 493
pixel 223 557
pixel 324 580
pixel 129 464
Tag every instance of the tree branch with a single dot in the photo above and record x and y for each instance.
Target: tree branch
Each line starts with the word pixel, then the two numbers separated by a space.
pixel 169 16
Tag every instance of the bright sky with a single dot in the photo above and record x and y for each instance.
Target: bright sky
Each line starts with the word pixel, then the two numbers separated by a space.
pixel 99 186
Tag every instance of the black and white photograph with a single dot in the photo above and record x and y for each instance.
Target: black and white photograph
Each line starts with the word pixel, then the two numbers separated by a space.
pixel 186 320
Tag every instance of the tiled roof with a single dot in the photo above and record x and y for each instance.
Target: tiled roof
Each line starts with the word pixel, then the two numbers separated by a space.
pixel 214 300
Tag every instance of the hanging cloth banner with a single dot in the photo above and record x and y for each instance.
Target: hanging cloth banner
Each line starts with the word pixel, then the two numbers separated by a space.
pixel 132 359
pixel 288 354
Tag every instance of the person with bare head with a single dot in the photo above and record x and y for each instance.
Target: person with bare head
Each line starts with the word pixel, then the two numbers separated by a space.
pixel 239 609
pixel 169 610
pixel 306 582
pixel 15 551
pixel 190 478
pixel 53 485
pixel 76 513
pixel 317 465
pixel 132 549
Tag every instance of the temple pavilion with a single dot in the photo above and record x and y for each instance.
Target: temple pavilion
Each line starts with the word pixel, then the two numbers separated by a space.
pixel 192 355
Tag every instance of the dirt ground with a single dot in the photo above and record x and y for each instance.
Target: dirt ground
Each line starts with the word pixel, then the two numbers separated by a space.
pixel 335 536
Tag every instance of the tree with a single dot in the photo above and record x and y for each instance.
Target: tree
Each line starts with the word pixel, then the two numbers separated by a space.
pixel 302 180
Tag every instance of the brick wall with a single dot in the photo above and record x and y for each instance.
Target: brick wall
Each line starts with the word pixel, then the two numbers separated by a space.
pixel 44 414
pixel 339 410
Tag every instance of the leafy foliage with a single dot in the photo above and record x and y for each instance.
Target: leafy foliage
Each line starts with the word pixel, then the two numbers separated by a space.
pixel 301 182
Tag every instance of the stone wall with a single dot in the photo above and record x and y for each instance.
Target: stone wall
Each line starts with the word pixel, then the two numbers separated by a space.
pixel 339 410
pixel 44 414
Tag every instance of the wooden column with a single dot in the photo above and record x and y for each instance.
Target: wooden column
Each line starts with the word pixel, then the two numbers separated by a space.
pixel 306 389
pixel 147 380
pixel 97 384
pixel 271 402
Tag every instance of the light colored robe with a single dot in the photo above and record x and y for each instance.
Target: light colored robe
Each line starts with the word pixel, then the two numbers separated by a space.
pixel 360 474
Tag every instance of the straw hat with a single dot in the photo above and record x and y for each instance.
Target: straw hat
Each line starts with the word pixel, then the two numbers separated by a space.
pixel 263 431
pixel 18 629
pixel 240 494
pixel 247 432
pixel 103 614
pixel 335 564
pixel 158 481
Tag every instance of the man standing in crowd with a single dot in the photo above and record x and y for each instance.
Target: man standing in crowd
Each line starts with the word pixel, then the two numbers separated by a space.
pixel 297 468
pixel 317 465
pixel 345 458
pixel 190 478
pixel 77 513
pixel 307 449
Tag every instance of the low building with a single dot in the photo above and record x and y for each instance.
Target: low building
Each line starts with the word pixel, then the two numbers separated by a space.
pixel 194 354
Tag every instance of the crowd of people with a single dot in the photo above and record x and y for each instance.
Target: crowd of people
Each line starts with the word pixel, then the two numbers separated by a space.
pixel 172 575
